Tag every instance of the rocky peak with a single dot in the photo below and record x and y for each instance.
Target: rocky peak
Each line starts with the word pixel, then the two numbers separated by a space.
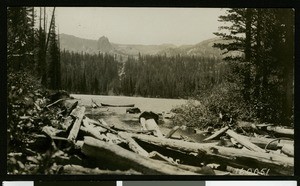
pixel 104 45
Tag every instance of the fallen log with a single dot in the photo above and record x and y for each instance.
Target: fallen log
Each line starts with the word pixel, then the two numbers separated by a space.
pixel 280 165
pixel 114 154
pixel 103 122
pixel 76 126
pixel 200 170
pixel 52 137
pixel 131 130
pixel 96 105
pixel 94 134
pixel 277 163
pixel 55 103
pixel 111 105
pixel 171 132
pixel 217 134
pixel 244 141
pixel 235 143
pixel 284 132
pixel 158 156
pixel 270 143
pixel 92 121
pixel 115 138
pixel 87 124
pixel 266 143
pixel 106 126
pixel 288 150
pixel 79 170
pixel 178 144
pixel 221 173
pixel 260 128
pixel 133 145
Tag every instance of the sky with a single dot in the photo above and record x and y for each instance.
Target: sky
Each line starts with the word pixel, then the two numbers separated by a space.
pixel 139 25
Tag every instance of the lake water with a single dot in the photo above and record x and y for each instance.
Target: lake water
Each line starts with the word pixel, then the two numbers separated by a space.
pixel 144 104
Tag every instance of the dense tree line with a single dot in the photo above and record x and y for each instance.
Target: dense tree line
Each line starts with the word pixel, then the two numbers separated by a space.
pixel 170 77
pixel 89 74
pixel 264 70
pixel 33 67
pixel 150 75
pixel 30 47
pixel 20 37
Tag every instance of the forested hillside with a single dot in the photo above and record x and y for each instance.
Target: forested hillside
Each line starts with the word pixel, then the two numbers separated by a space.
pixel 89 74
pixel 149 75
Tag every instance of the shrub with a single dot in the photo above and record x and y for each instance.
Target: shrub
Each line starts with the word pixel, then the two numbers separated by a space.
pixel 204 110
pixel 26 98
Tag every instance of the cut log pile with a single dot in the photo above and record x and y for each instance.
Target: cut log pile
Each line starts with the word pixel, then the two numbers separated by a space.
pixel 96 147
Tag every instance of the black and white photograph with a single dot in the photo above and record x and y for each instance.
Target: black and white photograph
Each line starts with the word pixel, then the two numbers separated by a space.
pixel 150 91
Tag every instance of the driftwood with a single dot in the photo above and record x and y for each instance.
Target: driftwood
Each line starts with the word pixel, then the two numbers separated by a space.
pixel 77 169
pixel 126 151
pixel 270 143
pixel 288 150
pixel 55 138
pixel 99 129
pixel 57 101
pixel 200 170
pixel 76 126
pixel 92 121
pixel 96 105
pixel 244 141
pixel 174 143
pixel 133 145
pixel 94 134
pixel 281 131
pixel 171 132
pixel 159 156
pixel 114 154
pixel 103 122
pixel 106 126
pixel 132 130
pixel 114 138
pixel 111 105
pixel 217 134
pixel 281 164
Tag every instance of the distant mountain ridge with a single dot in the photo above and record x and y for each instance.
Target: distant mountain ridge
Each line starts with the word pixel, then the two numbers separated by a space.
pixel 76 44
